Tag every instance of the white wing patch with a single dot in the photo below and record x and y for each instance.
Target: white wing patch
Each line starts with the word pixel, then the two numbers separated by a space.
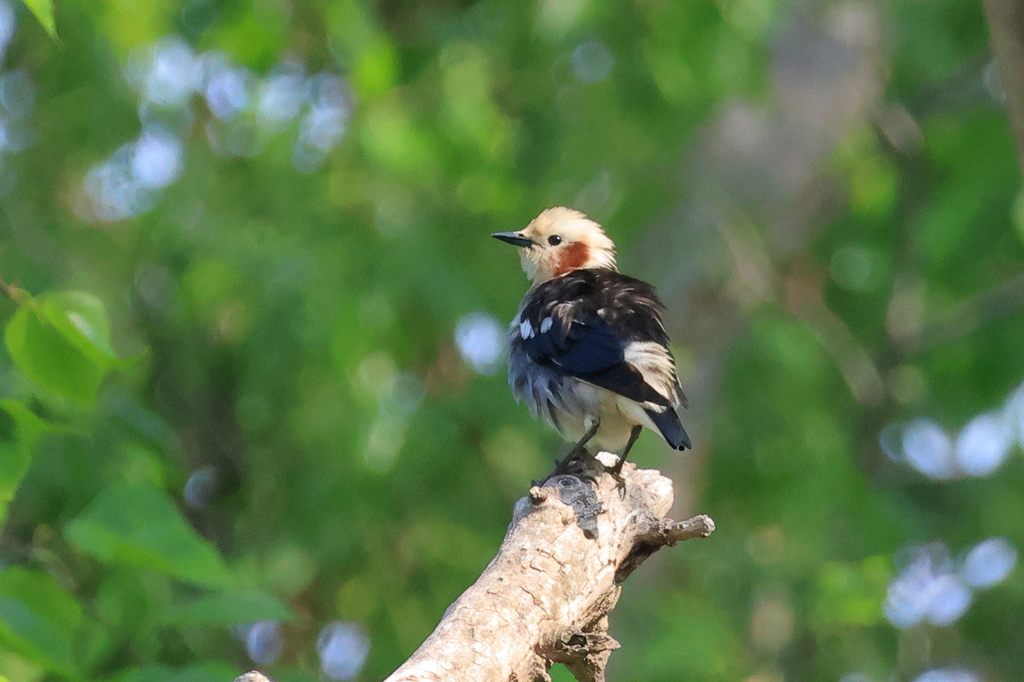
pixel 545 325
pixel 655 365
pixel 525 330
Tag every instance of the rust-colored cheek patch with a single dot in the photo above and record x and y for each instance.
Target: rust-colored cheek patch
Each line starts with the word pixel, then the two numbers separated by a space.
pixel 573 257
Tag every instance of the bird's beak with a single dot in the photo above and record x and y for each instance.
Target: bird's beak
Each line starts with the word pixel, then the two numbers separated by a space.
pixel 514 238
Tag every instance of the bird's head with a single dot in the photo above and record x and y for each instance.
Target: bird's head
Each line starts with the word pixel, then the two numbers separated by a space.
pixel 558 241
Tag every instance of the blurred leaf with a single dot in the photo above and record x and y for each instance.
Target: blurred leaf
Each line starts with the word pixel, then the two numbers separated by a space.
pixel 38 618
pixel 19 431
pixel 395 140
pixel 697 644
pixel 849 594
pixel 375 68
pixel 295 673
pixel 873 185
pixel 140 526
pixel 213 671
pixel 43 9
pixel 128 24
pixel 126 603
pixel 61 342
pixel 229 608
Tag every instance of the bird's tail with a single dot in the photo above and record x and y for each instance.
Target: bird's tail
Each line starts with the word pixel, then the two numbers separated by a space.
pixel 673 432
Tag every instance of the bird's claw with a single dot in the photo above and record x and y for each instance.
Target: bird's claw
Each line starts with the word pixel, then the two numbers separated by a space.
pixel 615 471
pixel 620 482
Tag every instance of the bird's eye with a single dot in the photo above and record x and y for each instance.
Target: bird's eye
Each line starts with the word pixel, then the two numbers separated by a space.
pixel 554 240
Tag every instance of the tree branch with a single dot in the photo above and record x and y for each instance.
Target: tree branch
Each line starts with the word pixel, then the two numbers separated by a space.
pixel 546 595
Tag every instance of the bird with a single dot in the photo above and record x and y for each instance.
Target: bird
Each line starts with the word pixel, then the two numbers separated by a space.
pixel 588 351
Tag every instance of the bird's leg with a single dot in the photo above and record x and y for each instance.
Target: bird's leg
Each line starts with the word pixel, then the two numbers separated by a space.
pixel 633 435
pixel 581 446
pixel 562 467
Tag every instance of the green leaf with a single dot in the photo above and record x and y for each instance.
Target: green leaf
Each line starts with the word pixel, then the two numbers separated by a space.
pixel 38 618
pixel 61 342
pixel 43 9
pixel 227 609
pixel 19 431
pixel 83 321
pixel 48 359
pixel 136 524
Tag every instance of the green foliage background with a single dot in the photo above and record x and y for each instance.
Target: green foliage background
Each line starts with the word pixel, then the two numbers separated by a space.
pixel 826 194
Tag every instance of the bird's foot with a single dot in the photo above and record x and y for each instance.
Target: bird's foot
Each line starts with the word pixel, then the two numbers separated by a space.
pixel 616 473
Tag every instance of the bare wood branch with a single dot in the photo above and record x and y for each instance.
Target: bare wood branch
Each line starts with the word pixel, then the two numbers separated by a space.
pixel 546 596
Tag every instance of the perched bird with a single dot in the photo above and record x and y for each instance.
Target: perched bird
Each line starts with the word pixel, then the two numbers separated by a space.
pixel 589 352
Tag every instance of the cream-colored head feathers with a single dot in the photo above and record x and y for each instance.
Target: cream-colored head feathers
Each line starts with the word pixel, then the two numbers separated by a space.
pixel 564 240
